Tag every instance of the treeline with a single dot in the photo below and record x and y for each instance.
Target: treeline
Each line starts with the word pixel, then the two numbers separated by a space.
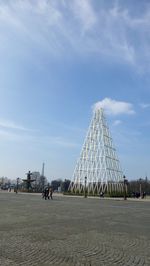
pixel 38 185
pixel 60 185
pixel 132 185
pixel 136 185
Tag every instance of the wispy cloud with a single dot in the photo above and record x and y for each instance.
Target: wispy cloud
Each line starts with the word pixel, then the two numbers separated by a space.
pixel 11 125
pixel 71 128
pixel 117 122
pixel 56 26
pixel 114 107
pixel 82 10
pixel 7 135
pixel 57 141
pixel 144 105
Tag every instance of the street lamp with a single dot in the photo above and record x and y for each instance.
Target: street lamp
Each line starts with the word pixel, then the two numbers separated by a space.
pixel 17 185
pixel 140 180
pixel 125 181
pixel 85 181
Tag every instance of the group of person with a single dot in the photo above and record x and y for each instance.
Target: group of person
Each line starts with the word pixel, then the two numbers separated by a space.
pixel 47 193
pixel 138 195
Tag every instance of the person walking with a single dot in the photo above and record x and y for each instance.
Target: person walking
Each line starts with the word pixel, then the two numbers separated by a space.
pixel 51 193
pixel 46 193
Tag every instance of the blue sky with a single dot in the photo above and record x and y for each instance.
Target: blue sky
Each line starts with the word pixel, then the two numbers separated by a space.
pixel 57 59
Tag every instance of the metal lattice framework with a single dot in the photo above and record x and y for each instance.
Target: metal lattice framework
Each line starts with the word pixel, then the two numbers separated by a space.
pixel 98 161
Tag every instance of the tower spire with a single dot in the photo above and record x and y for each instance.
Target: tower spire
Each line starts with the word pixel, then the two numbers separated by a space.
pixel 43 166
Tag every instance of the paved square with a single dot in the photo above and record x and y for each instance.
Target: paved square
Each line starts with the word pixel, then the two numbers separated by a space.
pixel 73 231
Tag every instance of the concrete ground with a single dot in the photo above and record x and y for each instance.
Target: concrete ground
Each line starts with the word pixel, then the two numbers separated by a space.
pixel 73 231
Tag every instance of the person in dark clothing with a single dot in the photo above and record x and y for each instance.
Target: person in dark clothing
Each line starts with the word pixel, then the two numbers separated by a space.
pixel 46 192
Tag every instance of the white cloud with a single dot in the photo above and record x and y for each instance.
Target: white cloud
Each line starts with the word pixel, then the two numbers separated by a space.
pixel 114 107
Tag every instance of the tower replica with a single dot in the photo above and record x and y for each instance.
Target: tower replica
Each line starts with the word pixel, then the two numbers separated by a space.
pixel 98 168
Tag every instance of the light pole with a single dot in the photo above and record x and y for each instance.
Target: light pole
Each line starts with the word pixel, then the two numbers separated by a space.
pixel 124 187
pixel 140 180
pixel 85 181
pixel 17 185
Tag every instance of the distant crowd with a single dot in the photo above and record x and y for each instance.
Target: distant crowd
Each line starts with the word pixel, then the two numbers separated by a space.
pixel 138 195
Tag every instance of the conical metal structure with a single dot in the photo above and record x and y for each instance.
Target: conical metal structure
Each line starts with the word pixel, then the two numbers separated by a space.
pixel 98 164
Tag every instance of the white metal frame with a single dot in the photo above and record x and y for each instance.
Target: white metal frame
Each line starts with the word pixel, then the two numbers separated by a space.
pixel 98 160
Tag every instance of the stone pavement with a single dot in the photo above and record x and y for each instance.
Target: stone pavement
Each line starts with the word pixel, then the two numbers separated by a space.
pixel 73 231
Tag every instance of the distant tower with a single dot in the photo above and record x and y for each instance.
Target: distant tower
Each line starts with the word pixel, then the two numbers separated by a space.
pixel 43 177
pixel 98 161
